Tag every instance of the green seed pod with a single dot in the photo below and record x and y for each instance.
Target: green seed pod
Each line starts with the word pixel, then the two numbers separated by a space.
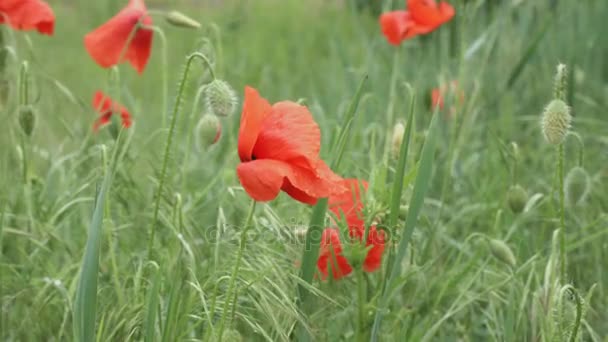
pixel 517 197
pixel 27 119
pixel 578 185
pixel 397 139
pixel 208 130
pixel 220 98
pixel 556 121
pixel 501 251
pixel 181 20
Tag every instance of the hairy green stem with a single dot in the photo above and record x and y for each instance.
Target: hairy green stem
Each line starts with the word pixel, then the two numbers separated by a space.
pixel 169 141
pixel 235 270
pixel 562 213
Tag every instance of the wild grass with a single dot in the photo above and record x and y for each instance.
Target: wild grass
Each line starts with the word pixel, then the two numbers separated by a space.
pixel 448 286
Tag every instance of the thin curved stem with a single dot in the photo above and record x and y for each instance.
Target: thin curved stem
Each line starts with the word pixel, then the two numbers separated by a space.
pixel 235 270
pixel 23 86
pixel 169 141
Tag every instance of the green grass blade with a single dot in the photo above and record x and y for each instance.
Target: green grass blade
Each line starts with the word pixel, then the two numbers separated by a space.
pixel 85 303
pixel 152 309
pixel 421 185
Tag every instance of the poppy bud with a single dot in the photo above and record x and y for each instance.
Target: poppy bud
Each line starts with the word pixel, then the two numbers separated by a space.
pixel 577 185
pixel 27 119
pixel 517 197
pixel 501 251
pixel 181 20
pixel 208 130
pixel 556 122
pixel 220 98
pixel 397 140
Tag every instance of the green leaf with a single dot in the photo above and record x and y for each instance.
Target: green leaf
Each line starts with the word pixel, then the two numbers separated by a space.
pixel 85 303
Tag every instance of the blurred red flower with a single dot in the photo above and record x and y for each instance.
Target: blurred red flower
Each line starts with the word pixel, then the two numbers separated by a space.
pixel 107 44
pixel 348 205
pixel 28 15
pixel 447 91
pixel 106 107
pixel 279 150
pixel 421 17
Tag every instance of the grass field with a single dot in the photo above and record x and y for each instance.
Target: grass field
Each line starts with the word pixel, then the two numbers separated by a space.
pixel 66 185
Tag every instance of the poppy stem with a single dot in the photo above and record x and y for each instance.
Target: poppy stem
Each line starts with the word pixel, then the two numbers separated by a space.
pixel 235 270
pixel 361 304
pixel 169 141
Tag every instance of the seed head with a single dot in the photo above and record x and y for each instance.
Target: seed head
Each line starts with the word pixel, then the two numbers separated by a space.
pixel 209 130
pixel 397 139
pixel 517 197
pixel 556 122
pixel 577 186
pixel 27 119
pixel 220 98
pixel 501 251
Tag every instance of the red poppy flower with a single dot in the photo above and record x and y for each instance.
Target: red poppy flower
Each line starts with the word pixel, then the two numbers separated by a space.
pixel 279 150
pixel 28 15
pixel 421 17
pixel 106 107
pixel 106 44
pixel 349 206
pixel 330 255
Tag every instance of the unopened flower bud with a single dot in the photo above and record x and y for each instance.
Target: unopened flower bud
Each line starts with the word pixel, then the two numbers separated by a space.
pixel 397 139
pixel 181 20
pixel 577 186
pixel 220 98
pixel 27 119
pixel 501 251
pixel 556 122
pixel 208 130
pixel 517 197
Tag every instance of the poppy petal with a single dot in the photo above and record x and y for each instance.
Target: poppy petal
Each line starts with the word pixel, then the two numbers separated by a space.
pixel 429 14
pixel 106 43
pixel 330 256
pixel 394 26
pixel 262 179
pixel 106 107
pixel 28 15
pixel 373 260
pixel 255 109
pixel 348 203
pixel 289 134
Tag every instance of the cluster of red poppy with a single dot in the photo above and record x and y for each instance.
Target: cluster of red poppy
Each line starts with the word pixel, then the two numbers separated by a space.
pixel 279 150
pixel 125 37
